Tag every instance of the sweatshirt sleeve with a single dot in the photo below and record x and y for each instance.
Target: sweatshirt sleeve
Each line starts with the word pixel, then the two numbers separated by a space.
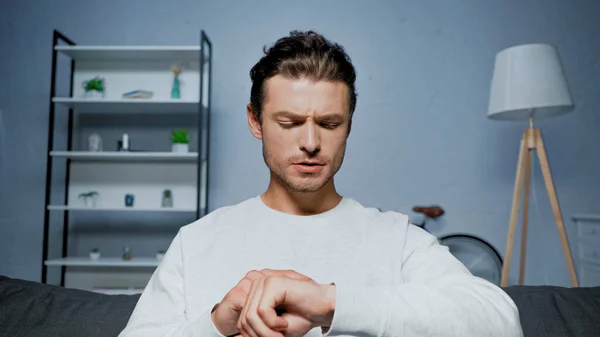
pixel 160 311
pixel 438 297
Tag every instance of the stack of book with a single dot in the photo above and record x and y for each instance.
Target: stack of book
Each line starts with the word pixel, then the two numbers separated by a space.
pixel 138 94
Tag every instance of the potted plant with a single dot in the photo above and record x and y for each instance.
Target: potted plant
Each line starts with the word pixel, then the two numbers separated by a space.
pixel 95 254
pixel 126 253
pixel 94 88
pixel 180 141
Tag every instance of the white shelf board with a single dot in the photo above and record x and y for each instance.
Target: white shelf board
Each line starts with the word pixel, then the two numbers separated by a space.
pixel 118 291
pixel 132 53
pixel 586 217
pixel 103 262
pixel 137 105
pixel 112 156
pixel 117 209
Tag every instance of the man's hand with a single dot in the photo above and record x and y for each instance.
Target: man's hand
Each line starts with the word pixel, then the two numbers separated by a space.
pixel 226 314
pixel 279 306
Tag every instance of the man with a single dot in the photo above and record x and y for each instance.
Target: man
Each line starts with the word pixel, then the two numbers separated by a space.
pixel 300 259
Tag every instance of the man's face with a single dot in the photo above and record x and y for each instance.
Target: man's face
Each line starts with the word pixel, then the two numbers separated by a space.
pixel 304 130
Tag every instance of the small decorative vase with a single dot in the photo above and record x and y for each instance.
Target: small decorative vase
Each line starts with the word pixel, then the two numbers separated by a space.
pixel 175 91
pixel 94 143
pixel 129 198
pixel 95 255
pixel 180 147
pixel 167 199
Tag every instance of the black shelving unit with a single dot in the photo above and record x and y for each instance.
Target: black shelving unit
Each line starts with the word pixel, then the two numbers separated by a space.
pixel 203 137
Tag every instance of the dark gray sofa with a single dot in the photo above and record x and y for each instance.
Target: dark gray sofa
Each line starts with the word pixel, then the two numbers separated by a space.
pixel 29 309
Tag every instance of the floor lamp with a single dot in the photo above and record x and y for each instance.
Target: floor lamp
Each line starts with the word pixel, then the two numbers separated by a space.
pixel 529 83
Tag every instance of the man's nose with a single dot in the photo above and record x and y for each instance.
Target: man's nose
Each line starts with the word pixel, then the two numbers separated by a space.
pixel 310 140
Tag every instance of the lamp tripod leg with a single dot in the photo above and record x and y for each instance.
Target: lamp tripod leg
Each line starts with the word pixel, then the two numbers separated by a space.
pixel 515 211
pixel 527 168
pixel 555 206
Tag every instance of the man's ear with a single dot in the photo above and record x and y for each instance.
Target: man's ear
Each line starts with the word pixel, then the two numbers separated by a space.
pixel 253 122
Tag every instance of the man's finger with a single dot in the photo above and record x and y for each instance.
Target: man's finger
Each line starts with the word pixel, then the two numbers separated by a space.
pixel 245 285
pixel 286 273
pixel 270 317
pixel 272 297
pixel 248 300
pixel 254 275
pixel 256 324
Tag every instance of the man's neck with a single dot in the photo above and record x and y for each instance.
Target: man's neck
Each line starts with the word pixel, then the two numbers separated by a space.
pixel 281 199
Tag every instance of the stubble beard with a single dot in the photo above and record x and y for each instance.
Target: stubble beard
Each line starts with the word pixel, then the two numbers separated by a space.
pixel 311 182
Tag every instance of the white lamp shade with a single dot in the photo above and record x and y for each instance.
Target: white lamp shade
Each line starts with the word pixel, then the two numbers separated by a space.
pixel 528 80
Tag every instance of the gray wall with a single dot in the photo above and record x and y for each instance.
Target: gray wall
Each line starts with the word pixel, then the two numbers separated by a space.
pixel 420 134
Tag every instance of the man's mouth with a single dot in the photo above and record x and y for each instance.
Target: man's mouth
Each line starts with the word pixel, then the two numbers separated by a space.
pixel 311 163
pixel 309 167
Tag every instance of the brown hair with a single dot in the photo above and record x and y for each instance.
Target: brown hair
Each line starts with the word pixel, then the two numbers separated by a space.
pixel 302 54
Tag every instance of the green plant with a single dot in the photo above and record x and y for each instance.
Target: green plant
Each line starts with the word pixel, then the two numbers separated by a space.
pixel 96 83
pixel 95 250
pixel 180 137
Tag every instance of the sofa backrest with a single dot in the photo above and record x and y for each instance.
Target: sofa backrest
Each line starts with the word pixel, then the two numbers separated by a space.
pixel 557 311
pixel 34 309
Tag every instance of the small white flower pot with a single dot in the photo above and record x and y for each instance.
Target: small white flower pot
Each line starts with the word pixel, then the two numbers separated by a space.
pixel 160 256
pixel 94 255
pixel 180 148
pixel 93 94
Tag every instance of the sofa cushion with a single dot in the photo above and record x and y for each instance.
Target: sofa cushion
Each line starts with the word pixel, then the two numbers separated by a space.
pixel 557 311
pixel 41 310
pixel 34 309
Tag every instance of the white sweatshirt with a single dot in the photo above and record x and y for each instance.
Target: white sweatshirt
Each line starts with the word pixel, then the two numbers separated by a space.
pixel 392 278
